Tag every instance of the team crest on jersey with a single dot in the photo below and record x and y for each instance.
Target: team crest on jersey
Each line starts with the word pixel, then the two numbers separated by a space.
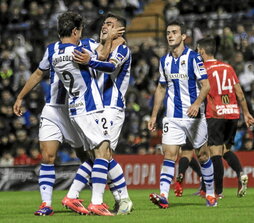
pixel 119 56
pixel 183 62
pixel 61 51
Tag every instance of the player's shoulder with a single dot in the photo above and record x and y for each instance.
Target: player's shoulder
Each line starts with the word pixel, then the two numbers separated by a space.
pixel 193 54
pixel 87 41
pixel 52 45
pixel 223 64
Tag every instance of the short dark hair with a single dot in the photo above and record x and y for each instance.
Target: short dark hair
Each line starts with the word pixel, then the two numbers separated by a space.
pixel 208 44
pixel 180 24
pixel 67 22
pixel 120 19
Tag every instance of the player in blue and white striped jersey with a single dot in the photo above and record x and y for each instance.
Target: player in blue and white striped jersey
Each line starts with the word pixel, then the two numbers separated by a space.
pixel 113 79
pixel 55 125
pixel 183 84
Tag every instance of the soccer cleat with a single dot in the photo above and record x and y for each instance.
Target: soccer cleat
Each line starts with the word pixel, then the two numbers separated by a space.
pixel 125 206
pixel 242 186
pixel 211 201
pixel 159 200
pixel 44 210
pixel 200 193
pixel 219 196
pixel 99 209
pixel 116 207
pixel 178 186
pixel 75 205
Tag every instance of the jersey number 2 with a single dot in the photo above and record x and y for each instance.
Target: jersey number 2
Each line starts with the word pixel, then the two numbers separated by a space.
pixel 69 77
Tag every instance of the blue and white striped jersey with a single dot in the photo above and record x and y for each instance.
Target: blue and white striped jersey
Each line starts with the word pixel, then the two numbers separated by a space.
pixel 79 81
pixel 181 76
pixel 115 84
pixel 57 94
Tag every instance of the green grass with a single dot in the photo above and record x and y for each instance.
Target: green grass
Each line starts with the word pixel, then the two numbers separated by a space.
pixel 18 207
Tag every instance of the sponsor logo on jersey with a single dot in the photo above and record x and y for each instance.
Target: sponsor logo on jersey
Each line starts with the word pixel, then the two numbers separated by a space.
pixel 177 76
pixel 76 105
pixel 227 109
pixel 225 99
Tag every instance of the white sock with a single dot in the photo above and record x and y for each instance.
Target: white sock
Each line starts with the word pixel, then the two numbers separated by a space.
pixel 47 177
pixel 207 173
pixel 99 180
pixel 81 179
pixel 167 174
pixel 118 185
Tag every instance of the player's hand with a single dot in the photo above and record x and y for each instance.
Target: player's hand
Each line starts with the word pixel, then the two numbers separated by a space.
pixel 116 42
pixel 152 124
pixel 17 107
pixel 114 33
pixel 193 110
pixel 249 120
pixel 81 57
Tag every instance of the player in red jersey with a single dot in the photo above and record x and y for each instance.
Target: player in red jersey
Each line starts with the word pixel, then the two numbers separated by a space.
pixel 223 112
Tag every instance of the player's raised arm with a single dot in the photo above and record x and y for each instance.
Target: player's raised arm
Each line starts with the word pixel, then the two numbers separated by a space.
pixel 158 98
pixel 249 120
pixel 35 78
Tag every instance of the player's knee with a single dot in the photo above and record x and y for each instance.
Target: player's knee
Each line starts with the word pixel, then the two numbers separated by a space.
pixel 203 157
pixel 48 158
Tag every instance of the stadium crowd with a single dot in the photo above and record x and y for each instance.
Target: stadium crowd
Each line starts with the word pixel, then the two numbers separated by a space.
pixel 28 26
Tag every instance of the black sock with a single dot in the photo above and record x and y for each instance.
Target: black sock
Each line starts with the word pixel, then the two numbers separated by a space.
pixel 233 162
pixel 218 173
pixel 183 165
pixel 194 164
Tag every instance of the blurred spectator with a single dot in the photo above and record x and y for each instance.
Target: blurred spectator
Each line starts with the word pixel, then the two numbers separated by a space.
pixel 6 160
pixel 21 158
pixel 227 48
pixel 246 79
pixel 35 156
pixel 171 11
pixel 237 62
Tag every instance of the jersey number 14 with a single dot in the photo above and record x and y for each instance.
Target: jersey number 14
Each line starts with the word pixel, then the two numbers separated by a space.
pixel 225 84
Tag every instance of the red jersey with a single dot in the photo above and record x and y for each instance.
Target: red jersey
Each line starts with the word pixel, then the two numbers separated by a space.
pixel 221 100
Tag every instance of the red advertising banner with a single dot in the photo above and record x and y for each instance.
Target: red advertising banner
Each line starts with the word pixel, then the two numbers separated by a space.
pixel 143 171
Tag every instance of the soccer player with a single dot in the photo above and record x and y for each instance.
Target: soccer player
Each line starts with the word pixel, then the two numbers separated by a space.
pixel 222 112
pixel 55 126
pixel 113 79
pixel 85 105
pixel 181 74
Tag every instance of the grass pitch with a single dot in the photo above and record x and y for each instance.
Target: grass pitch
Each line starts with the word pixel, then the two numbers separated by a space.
pixel 18 207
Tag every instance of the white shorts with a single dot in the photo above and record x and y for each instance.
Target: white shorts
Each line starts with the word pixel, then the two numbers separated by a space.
pixel 92 129
pixel 55 124
pixel 115 119
pixel 176 130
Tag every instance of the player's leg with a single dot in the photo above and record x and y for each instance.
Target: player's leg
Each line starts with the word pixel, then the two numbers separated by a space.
pixel 47 176
pixel 186 155
pixel 166 175
pixel 232 159
pixel 172 138
pixel 194 164
pixel 197 134
pixel 93 130
pixel 99 179
pixel 216 135
pixel 50 138
pixel 235 164
pixel 123 204
pixel 207 173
